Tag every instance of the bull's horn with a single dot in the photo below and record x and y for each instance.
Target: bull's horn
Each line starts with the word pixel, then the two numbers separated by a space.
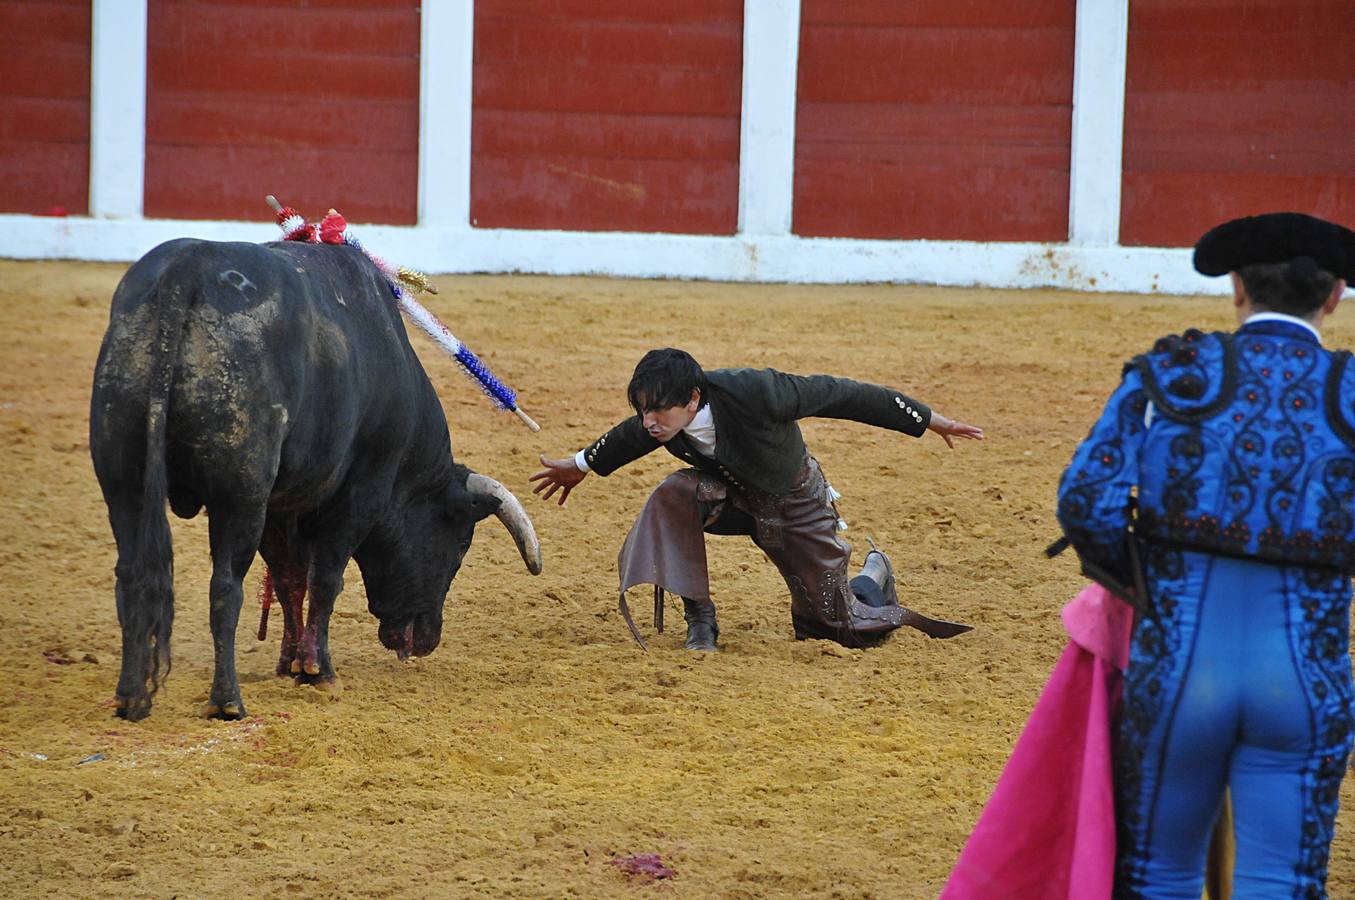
pixel 513 516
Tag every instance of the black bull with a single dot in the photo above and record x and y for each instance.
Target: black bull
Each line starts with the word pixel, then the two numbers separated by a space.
pixel 275 386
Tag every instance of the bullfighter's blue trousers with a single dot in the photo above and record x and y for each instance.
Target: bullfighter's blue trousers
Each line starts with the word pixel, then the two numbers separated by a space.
pixel 1239 678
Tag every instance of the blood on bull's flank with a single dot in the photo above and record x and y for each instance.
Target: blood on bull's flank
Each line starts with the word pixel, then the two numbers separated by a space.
pixel 275 387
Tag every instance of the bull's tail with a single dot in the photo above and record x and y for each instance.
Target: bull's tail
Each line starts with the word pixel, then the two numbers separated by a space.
pixel 146 612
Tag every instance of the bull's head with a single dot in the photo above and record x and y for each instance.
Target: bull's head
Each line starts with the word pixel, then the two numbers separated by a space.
pixel 408 569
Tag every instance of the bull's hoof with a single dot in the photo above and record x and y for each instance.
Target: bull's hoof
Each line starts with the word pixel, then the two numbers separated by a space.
pixel 133 709
pixel 301 666
pixel 133 713
pixel 230 712
pixel 329 683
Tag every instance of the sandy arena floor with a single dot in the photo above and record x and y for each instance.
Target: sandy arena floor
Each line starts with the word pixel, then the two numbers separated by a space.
pixel 538 744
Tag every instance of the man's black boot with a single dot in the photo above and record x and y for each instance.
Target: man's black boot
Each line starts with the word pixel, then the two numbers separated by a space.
pixel 702 629
pixel 877 567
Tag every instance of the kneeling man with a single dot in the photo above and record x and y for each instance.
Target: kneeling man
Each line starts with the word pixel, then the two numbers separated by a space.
pixel 751 474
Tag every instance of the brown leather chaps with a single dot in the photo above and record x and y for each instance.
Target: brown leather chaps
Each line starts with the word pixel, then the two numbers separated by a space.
pixel 797 530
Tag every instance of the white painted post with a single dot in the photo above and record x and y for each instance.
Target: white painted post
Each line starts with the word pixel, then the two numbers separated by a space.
pixel 117 109
pixel 1099 61
pixel 771 52
pixel 446 59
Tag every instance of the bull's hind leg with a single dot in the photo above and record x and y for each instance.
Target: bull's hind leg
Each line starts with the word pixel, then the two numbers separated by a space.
pixel 313 664
pixel 234 537
pixel 289 580
pixel 145 616
pixel 287 563
pixel 133 698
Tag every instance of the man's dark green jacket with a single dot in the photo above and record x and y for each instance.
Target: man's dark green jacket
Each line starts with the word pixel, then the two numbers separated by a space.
pixel 758 441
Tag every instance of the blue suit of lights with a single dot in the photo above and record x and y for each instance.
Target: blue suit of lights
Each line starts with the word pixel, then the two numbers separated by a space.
pixel 1241 448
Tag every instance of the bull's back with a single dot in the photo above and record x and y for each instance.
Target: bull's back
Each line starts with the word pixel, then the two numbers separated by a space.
pixel 273 369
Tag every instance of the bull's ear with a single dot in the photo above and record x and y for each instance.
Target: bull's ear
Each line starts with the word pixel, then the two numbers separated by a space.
pixel 462 504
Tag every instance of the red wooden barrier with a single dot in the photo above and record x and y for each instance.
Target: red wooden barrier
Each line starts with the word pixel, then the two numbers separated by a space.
pixel 1236 107
pixel 316 101
pixel 44 106
pixel 607 115
pixel 934 119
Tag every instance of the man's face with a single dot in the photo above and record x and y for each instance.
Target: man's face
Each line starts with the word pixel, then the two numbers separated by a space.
pixel 663 424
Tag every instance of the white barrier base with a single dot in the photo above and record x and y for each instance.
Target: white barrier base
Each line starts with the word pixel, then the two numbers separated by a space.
pixel 745 257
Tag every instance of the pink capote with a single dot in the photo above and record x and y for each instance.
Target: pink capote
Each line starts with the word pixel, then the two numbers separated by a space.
pixel 1048 831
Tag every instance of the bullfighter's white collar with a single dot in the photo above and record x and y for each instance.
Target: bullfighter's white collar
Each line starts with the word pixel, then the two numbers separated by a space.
pixel 1283 317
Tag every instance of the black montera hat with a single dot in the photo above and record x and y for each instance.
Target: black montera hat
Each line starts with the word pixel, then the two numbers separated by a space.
pixel 1277 238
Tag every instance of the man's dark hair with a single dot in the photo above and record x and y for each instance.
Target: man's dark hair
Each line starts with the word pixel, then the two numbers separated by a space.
pixel 665 378
pixel 1296 288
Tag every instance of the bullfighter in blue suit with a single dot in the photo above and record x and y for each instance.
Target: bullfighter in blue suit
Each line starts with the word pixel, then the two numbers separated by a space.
pixel 1217 491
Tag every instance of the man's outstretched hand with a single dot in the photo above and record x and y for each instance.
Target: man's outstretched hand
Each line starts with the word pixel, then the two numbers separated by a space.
pixel 559 475
pixel 949 429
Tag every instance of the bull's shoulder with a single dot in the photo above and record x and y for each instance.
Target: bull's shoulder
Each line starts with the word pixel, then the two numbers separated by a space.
pixel 323 262
pixel 337 277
